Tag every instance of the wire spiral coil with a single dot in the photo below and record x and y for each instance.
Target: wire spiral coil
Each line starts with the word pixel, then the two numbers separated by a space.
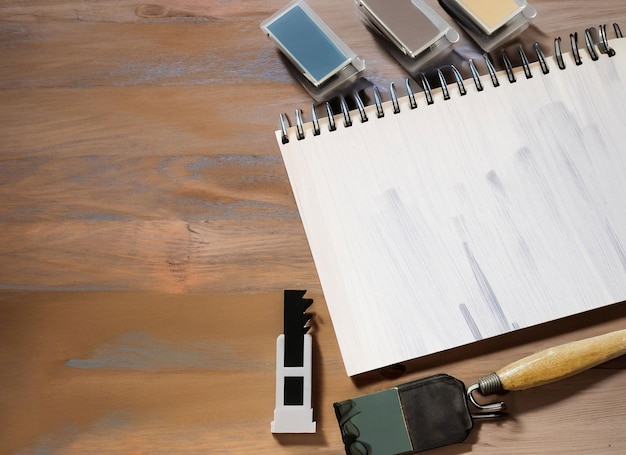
pixel 602 46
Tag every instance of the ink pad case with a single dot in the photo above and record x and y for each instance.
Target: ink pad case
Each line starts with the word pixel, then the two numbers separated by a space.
pixel 323 63
pixel 414 34
pixel 490 23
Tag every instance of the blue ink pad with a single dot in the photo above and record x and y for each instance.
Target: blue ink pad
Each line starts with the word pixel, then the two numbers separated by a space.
pixel 325 62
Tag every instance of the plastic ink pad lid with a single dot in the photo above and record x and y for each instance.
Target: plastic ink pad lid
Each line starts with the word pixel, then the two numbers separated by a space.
pixel 407 25
pixel 316 52
pixel 491 23
pixel 414 31
pixel 490 15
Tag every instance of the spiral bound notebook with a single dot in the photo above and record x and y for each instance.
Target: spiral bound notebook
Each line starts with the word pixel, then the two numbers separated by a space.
pixel 439 218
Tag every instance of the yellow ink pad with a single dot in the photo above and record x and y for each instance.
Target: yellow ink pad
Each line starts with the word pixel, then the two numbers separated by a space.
pixel 490 15
pixel 490 23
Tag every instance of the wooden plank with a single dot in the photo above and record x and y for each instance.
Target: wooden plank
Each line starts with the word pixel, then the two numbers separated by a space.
pixel 148 173
pixel 109 372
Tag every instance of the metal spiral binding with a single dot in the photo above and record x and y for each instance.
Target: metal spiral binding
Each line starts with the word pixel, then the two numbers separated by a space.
pixel 525 63
pixel 315 121
pixel 508 67
pixel 558 53
pixel 427 90
pixel 347 121
pixel 592 40
pixel 573 42
pixel 394 98
pixel 492 71
pixel 589 43
pixel 459 80
pixel 361 107
pixel 331 117
pixel 410 93
pixel 299 125
pixel 444 84
pixel 379 104
pixel 542 59
pixel 475 76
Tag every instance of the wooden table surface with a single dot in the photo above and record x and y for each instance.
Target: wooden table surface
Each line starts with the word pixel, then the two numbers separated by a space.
pixel 148 229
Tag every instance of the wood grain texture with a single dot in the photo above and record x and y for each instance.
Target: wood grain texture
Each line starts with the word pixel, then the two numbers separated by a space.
pixel 148 230
pixel 562 361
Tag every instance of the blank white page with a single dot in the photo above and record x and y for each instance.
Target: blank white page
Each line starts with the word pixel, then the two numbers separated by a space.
pixel 470 217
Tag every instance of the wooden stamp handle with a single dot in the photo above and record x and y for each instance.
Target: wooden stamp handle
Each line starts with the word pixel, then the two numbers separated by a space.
pixel 562 361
